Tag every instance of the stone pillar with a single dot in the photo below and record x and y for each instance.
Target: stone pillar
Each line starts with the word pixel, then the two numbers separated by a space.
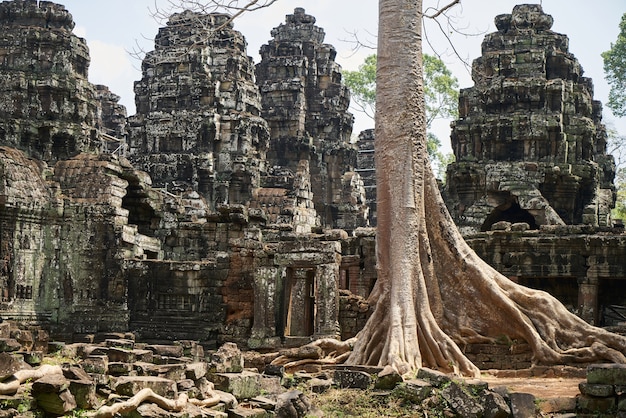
pixel 327 300
pixel 268 284
pixel 588 300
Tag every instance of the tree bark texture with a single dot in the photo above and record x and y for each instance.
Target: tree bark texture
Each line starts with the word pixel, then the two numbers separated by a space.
pixel 433 293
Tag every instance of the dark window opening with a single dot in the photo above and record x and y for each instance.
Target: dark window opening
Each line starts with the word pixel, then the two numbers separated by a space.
pixel 509 212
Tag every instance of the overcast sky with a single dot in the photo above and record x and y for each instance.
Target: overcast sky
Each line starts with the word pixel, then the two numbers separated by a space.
pixel 114 27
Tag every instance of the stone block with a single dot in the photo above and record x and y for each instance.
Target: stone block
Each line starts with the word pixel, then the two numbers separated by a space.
pixel 56 404
pixel 352 379
pixel 227 359
pixel 9 364
pixel 435 377
pixel 96 364
pixel 595 405
pixel 294 404
pixel 495 406
pixel 122 343
pixel 166 350
pixel 388 378
pixel 84 392
pixel 241 412
pixel 195 371
pixel 51 383
pixel 596 389
pixel 607 374
pixel 320 385
pixel 244 385
pixel 119 369
pixel 414 390
pixel 130 385
pixel 522 405
pixel 121 355
pixel 8 345
pixel 464 404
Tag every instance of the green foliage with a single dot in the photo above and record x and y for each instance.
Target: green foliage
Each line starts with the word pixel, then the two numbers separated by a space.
pixel 615 71
pixel 362 84
pixel 619 212
pixel 441 94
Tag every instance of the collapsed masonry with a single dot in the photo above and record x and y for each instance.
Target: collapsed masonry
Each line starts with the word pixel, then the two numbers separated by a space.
pixel 224 210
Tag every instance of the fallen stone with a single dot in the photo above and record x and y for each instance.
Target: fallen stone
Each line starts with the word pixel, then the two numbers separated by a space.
pixel 51 383
pixel 414 390
pixel 227 359
pixel 9 364
pixel 274 370
pixel 464 404
pixel 84 392
pixel 8 345
pixel 596 405
pixel 55 403
pixel 435 377
pixel 121 355
pixel 244 385
pixel 195 371
pixel 495 406
pixel 241 412
pixel 320 385
pixel 596 389
pixel 130 385
pixel 263 403
pixel 294 404
pixel 388 378
pixel 122 343
pixel 271 385
pixel 119 369
pixel 166 350
pixel 350 379
pixel 95 364
pixel 522 405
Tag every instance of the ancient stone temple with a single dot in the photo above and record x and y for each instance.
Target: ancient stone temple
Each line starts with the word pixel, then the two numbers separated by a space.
pixel 47 106
pixel 529 142
pixel 197 235
pixel 197 125
pixel 532 185
pixel 306 107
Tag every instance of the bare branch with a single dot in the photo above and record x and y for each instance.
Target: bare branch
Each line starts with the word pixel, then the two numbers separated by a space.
pixel 442 10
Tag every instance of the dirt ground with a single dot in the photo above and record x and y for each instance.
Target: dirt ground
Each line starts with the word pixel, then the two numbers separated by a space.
pixel 541 387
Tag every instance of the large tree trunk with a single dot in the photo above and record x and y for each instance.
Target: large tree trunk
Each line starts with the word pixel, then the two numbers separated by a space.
pixel 433 292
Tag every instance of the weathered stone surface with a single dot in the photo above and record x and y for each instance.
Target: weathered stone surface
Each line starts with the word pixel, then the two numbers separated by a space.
pixel 414 390
pixel 244 385
pixel 294 404
pixel 352 379
pixel 594 404
pixel 495 406
pixel 9 364
pixel 522 405
pixel 461 401
pixel 130 385
pixel 309 119
pixel 606 374
pixel 515 159
pixel 596 389
pixel 388 378
pixel 227 359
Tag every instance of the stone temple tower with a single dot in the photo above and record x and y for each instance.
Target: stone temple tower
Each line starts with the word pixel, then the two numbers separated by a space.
pixel 197 126
pixel 48 108
pixel 529 142
pixel 306 106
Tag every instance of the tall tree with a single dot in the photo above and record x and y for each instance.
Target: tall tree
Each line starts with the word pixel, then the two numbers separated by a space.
pixel 615 71
pixel 433 292
pixel 441 95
